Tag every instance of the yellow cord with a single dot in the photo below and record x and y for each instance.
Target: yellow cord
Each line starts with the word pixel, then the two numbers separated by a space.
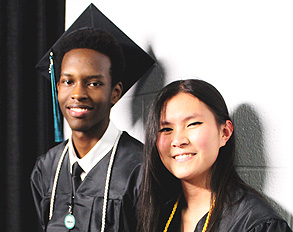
pixel 174 210
pixel 172 214
pixel 208 217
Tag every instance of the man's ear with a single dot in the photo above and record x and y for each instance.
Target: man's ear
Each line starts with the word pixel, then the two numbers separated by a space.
pixel 226 132
pixel 58 83
pixel 116 93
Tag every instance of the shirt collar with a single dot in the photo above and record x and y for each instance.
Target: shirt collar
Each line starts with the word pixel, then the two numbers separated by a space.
pixel 101 148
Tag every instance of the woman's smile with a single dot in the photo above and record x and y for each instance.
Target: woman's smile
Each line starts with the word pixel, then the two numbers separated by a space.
pixel 184 157
pixel 189 132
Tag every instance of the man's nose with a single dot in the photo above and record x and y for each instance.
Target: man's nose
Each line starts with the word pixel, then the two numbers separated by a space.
pixel 79 92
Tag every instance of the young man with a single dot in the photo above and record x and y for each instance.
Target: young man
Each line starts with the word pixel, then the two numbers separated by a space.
pixel 90 182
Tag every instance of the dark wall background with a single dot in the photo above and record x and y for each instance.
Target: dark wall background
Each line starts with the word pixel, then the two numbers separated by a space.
pixel 27 30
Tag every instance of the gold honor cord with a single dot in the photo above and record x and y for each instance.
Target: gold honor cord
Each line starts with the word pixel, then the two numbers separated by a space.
pixel 174 210
pixel 172 214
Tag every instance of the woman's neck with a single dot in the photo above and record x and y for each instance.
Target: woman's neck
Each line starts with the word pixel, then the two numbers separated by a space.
pixel 198 202
pixel 196 195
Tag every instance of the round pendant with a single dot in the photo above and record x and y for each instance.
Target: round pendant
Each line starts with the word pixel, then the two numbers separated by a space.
pixel 69 221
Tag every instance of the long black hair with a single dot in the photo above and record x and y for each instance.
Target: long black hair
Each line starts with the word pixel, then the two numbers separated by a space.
pixel 158 184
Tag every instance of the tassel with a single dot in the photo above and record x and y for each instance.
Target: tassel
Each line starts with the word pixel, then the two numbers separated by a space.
pixel 58 132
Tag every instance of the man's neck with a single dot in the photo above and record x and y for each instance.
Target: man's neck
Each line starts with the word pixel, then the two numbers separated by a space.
pixel 83 142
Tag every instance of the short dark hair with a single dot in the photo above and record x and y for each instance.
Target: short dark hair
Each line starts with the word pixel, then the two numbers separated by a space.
pixel 97 40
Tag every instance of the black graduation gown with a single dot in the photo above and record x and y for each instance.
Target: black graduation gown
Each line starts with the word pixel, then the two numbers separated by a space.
pixel 88 201
pixel 251 214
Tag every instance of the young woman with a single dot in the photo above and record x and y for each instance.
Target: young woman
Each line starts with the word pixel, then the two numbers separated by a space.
pixel 189 179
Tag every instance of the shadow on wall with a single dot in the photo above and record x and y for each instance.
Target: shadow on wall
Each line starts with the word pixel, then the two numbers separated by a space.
pixel 251 160
pixel 146 89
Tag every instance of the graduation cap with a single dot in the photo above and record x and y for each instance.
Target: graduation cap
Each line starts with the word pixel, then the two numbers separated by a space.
pixel 137 61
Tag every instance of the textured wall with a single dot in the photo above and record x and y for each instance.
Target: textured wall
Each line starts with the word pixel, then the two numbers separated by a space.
pixel 243 48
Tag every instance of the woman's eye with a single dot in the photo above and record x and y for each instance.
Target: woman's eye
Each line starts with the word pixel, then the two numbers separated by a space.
pixel 165 129
pixel 195 124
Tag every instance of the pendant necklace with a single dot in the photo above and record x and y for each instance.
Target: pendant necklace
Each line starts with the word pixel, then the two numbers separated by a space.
pixel 174 210
pixel 69 220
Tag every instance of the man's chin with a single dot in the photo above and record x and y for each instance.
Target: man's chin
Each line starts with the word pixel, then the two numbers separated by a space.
pixel 79 128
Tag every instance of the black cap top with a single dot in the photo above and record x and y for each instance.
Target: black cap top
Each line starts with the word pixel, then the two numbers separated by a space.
pixel 137 62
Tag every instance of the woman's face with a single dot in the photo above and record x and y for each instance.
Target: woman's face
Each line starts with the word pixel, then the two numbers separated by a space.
pixel 189 137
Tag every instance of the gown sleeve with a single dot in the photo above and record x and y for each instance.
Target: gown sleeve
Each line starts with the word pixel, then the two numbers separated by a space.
pixel 251 213
pixel 41 180
pixel 38 194
pixel 272 225
pixel 130 201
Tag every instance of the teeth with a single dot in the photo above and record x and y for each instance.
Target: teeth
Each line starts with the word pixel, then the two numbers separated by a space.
pixel 78 109
pixel 184 156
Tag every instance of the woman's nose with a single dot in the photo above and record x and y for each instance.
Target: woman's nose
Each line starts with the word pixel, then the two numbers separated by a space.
pixel 180 139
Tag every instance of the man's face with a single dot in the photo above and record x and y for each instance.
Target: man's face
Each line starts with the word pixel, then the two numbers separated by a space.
pixel 85 93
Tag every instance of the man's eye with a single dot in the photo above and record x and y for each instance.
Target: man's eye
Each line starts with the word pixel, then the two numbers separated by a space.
pixel 67 82
pixel 165 129
pixel 195 124
pixel 95 84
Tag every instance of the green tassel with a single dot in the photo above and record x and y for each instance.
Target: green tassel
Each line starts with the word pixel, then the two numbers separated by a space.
pixel 58 132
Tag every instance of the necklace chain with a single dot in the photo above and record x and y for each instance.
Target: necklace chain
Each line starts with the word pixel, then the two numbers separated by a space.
pixel 175 208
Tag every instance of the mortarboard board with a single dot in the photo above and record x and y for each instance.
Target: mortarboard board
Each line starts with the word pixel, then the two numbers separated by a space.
pixel 137 61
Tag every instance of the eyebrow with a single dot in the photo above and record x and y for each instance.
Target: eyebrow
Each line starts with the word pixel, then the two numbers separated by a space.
pixel 99 76
pixel 65 74
pixel 164 122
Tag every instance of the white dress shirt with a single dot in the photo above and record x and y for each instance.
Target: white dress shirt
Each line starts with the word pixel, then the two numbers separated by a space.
pixel 102 147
